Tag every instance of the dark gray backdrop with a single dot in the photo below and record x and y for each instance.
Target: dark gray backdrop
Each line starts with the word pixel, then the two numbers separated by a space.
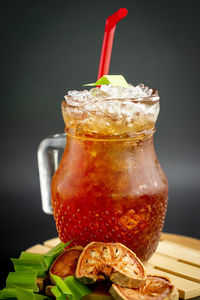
pixel 51 46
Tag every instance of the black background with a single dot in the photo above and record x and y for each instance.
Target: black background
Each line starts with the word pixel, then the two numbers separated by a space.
pixel 49 47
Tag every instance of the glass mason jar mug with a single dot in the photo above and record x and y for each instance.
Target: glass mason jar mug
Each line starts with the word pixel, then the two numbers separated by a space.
pixel 109 185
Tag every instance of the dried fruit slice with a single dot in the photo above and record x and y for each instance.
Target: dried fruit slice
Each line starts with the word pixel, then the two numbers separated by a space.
pixel 48 291
pixel 42 282
pixel 154 287
pixel 65 264
pixel 99 261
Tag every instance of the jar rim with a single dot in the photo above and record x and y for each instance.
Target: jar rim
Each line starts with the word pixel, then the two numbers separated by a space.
pixel 139 137
pixel 123 118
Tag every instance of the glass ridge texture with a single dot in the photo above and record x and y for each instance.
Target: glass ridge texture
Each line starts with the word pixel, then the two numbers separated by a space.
pixel 109 185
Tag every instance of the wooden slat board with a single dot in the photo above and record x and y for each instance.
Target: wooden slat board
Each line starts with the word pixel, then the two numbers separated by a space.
pixel 177 257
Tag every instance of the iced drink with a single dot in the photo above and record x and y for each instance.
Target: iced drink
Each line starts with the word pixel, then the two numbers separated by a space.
pixel 109 186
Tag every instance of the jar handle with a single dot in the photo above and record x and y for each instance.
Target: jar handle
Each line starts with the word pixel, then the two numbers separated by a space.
pixel 48 155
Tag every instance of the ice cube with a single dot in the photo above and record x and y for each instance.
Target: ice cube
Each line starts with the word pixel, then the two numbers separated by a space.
pixel 97 93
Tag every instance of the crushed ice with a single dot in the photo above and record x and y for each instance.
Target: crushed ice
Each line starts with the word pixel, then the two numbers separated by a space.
pixel 109 92
pixel 116 102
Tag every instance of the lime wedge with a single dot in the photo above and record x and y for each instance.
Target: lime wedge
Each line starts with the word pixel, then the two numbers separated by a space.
pixel 114 80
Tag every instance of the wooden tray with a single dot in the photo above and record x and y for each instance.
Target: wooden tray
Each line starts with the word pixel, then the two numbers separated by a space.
pixel 177 257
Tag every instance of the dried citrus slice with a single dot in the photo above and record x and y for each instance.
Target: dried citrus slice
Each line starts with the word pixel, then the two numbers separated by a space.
pixel 65 264
pixel 154 287
pixel 99 261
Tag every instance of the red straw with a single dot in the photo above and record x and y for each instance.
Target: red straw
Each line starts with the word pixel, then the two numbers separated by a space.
pixel 106 50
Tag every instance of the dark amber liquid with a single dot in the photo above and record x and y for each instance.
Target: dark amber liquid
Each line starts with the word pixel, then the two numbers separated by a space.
pixel 110 191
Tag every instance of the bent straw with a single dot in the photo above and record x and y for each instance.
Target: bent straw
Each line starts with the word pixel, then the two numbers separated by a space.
pixel 109 31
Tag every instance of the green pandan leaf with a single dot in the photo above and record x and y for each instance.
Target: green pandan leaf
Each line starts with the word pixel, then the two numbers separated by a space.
pixel 42 261
pixel 36 265
pixel 59 295
pixel 24 279
pixel 8 293
pixel 78 289
pixel 37 258
pixel 62 286
pixel 114 80
pixel 21 284
pixel 24 294
pixel 21 294
pixel 70 287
